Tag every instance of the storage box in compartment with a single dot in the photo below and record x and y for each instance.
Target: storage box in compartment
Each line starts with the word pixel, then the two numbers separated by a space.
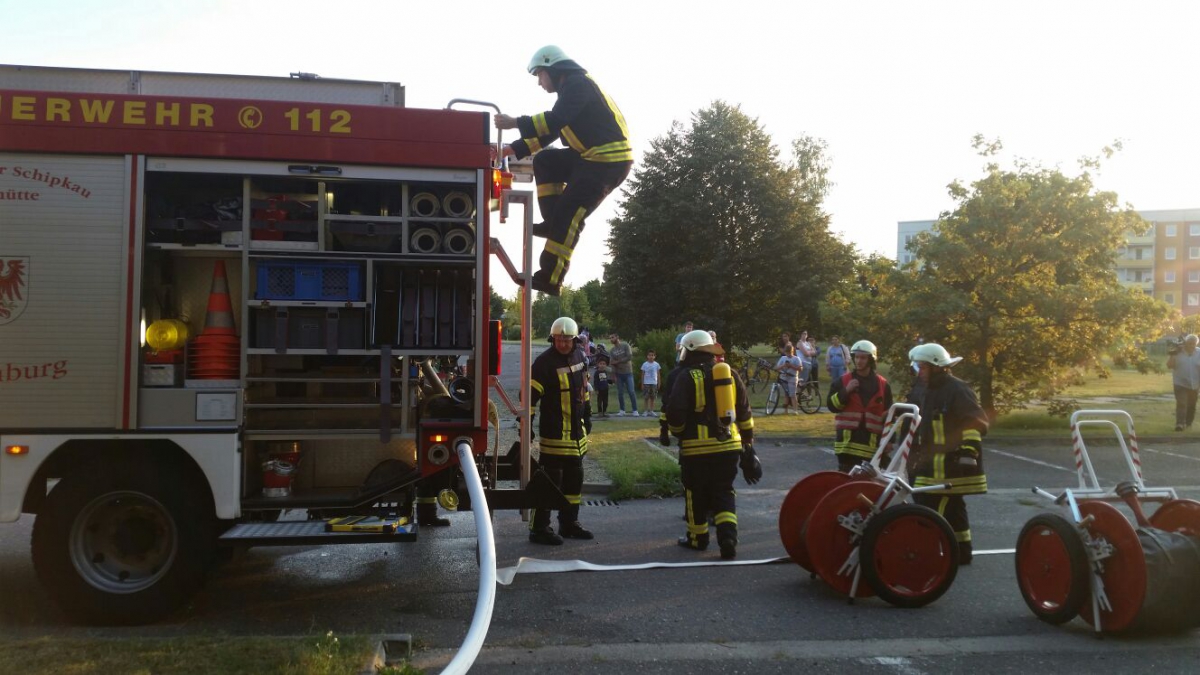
pixel 311 281
pixel 351 235
pixel 308 328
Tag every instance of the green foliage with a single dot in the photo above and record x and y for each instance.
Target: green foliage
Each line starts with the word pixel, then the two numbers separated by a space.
pixel 496 304
pixel 1017 279
pixel 662 341
pixel 1062 407
pixel 717 229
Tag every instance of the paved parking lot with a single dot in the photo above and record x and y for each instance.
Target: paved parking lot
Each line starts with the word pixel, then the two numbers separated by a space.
pixel 763 618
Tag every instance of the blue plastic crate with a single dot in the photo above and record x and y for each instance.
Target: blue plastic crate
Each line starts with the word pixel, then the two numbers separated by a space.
pixel 292 280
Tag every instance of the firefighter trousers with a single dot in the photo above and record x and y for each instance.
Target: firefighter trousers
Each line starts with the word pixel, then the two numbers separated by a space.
pixel 954 509
pixel 708 491
pixel 569 189
pixel 566 472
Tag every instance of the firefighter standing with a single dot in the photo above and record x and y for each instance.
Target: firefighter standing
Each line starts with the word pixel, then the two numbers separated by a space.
pixel 574 180
pixel 949 443
pixel 557 382
pixel 859 400
pixel 710 448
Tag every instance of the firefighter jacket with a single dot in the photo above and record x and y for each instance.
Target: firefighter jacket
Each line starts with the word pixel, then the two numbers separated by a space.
pixel 859 416
pixel 557 382
pixel 949 442
pixel 584 117
pixel 692 413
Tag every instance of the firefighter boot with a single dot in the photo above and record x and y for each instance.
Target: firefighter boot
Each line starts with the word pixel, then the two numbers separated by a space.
pixel 541 282
pixel 427 515
pixel 696 542
pixel 965 553
pixel 727 540
pixel 545 536
pixel 574 530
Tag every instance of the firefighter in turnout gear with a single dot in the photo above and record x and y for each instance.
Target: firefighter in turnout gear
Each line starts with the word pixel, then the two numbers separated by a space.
pixel 557 382
pixel 711 447
pixel 571 181
pixel 949 442
pixel 859 400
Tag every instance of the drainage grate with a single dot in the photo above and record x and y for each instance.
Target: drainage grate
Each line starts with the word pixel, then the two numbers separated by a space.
pixel 600 502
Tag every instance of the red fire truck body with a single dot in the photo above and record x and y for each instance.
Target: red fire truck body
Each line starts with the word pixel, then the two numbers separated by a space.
pixel 227 298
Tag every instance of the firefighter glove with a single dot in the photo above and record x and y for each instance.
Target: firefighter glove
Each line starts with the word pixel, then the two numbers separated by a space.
pixel 751 467
pixel 664 436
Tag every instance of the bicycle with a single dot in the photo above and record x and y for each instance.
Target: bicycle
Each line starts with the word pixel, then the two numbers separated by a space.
pixel 754 371
pixel 808 397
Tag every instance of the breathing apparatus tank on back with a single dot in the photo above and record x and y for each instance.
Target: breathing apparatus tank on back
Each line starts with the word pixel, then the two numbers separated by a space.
pixel 723 393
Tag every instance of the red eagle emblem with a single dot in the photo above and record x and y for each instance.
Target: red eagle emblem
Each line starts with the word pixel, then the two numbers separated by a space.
pixel 13 287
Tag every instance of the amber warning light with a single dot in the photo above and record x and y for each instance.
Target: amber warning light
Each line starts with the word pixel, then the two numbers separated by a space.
pixel 437 439
pixel 501 181
pixel 15 450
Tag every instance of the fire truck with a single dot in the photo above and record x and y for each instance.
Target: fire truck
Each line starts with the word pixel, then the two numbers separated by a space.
pixel 227 298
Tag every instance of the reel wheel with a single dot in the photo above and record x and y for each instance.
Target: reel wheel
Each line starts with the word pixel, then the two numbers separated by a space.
pixel 798 505
pixel 909 555
pixel 829 543
pixel 1052 568
pixel 1178 515
pixel 1124 571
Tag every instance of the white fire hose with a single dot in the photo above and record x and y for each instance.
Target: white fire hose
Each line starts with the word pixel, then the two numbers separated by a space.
pixel 476 634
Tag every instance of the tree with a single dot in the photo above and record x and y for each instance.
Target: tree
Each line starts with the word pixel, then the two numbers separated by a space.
pixel 495 303
pixel 716 229
pixel 1018 279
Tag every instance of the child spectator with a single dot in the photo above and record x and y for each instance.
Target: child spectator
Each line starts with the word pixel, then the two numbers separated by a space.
pixel 650 382
pixel 601 384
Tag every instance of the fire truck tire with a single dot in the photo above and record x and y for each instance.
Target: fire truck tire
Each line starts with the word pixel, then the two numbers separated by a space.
pixel 1052 568
pixel 909 555
pixel 123 544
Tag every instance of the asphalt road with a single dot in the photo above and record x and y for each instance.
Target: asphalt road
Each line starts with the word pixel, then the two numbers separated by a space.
pixel 761 619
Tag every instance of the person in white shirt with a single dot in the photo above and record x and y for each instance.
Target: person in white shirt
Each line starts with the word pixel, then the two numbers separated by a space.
pixel 789 368
pixel 650 371
pixel 1184 362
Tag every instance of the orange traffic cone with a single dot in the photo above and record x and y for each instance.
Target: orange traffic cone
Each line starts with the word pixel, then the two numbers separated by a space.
pixel 216 353
pixel 219 319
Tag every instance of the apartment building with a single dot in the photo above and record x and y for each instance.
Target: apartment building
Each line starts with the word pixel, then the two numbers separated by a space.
pixel 1164 262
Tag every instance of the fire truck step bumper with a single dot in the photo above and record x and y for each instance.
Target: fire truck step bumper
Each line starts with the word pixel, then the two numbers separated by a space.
pixel 305 533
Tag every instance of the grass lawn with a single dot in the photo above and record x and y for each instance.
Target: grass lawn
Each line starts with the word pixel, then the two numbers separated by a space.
pixel 314 655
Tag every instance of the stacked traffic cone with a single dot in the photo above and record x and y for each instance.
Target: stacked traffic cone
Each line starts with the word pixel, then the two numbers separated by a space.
pixel 215 354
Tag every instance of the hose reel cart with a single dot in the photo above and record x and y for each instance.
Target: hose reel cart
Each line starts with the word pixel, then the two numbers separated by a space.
pixel 849 527
pixel 1087 559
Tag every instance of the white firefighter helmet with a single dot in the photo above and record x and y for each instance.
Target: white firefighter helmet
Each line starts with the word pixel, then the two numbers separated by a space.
pixel 933 353
pixel 700 341
pixel 545 57
pixel 564 325
pixel 865 347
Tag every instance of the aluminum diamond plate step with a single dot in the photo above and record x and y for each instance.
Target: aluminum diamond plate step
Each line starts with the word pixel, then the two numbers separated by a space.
pixel 305 532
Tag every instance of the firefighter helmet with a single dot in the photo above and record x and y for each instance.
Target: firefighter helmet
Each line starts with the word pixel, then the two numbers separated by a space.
pixel 933 353
pixel 546 57
pixel 865 347
pixel 564 325
pixel 700 341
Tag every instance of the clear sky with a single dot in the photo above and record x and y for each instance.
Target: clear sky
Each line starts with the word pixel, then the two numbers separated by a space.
pixel 897 89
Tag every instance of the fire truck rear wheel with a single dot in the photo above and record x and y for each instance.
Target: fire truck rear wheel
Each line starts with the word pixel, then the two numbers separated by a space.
pixel 123 544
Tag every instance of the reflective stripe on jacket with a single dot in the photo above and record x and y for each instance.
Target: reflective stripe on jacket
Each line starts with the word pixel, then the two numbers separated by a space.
pixel 557 383
pixel 586 120
pixel 859 425
pixel 691 414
